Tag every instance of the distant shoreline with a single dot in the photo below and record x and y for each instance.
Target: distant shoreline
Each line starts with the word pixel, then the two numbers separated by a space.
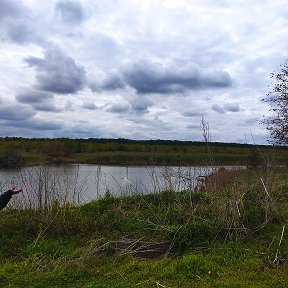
pixel 24 152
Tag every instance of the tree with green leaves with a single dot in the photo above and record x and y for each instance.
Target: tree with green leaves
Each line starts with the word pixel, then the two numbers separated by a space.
pixel 277 98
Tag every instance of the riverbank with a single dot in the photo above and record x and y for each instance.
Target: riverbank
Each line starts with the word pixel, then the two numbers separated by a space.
pixel 19 151
pixel 230 235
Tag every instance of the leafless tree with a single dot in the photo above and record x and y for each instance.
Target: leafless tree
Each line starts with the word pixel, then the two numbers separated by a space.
pixel 277 98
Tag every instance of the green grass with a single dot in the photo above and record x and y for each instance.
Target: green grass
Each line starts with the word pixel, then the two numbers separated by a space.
pixel 128 152
pixel 192 157
pixel 224 265
pixel 173 239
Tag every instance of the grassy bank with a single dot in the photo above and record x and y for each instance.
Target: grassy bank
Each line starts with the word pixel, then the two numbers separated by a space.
pixel 19 151
pixel 230 235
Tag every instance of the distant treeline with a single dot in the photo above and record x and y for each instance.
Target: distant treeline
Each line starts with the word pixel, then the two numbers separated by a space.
pixel 172 142
pixel 16 151
pixel 130 141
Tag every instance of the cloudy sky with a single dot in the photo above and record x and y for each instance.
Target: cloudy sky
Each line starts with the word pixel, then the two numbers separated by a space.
pixel 139 69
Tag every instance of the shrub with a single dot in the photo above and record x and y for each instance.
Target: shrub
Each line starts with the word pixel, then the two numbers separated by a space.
pixel 11 158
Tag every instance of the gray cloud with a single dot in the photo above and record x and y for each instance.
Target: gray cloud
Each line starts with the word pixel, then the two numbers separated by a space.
pixel 9 8
pixel 113 37
pixel 70 12
pixel 229 107
pixel 22 31
pixel 15 112
pixel 152 77
pixel 36 124
pixel 84 130
pixel 191 126
pixel 192 114
pixel 34 96
pixel 118 108
pixel 17 24
pixel 232 107
pixel 251 121
pixel 57 73
pixel 113 82
pixel 39 100
pixel 46 107
pixel 141 104
pixel 137 105
pixel 89 106
pixel 69 106
pixel 219 109
pixel 44 125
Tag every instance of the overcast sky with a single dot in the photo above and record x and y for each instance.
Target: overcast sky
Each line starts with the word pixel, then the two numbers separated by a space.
pixel 139 69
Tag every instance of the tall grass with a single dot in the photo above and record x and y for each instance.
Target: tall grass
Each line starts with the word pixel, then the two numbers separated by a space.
pixel 197 233
pixel 232 203
pixel 45 185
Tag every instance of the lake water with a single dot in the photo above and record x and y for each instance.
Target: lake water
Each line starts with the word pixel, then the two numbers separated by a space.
pixel 83 183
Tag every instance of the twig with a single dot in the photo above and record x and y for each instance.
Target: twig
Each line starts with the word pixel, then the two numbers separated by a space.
pixel 140 283
pixel 160 285
pixel 277 260
pixel 269 198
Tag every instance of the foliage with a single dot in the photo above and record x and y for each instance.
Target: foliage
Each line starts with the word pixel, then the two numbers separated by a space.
pixel 132 152
pixel 277 98
pixel 10 158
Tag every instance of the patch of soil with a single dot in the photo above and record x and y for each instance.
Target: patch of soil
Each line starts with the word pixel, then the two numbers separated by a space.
pixel 141 250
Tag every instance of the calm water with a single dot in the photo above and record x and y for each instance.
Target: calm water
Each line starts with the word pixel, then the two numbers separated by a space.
pixel 83 183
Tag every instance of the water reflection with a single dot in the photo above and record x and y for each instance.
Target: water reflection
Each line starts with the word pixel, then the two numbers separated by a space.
pixel 82 183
